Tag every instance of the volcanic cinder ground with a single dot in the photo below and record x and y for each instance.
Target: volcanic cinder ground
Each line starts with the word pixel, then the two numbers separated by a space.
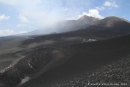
pixel 101 62
pixel 85 64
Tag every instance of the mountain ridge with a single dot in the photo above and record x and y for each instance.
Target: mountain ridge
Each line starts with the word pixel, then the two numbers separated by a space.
pixel 83 22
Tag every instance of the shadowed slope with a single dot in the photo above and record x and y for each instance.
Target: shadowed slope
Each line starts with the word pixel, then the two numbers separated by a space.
pixel 61 62
pixel 87 57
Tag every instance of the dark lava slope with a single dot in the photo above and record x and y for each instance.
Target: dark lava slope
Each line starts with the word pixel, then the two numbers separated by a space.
pixel 100 61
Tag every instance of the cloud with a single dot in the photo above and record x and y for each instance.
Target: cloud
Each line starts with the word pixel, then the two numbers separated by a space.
pixel 21 25
pixel 3 17
pixel 23 19
pixel 41 13
pixel 12 2
pixel 10 32
pixel 93 13
pixel 110 4
pixel 100 8
pixel 19 2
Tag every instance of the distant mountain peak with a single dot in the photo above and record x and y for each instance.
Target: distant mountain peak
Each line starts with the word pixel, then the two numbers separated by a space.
pixel 84 17
pixel 112 21
pixel 87 20
pixel 116 18
pixel 84 22
pixel 88 17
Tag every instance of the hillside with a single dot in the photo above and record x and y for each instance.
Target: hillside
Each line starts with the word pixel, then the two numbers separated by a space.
pixel 94 62
pixel 71 63
pixel 86 22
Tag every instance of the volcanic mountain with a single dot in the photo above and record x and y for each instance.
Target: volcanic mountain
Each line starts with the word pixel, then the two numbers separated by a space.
pixel 68 58
pixel 86 22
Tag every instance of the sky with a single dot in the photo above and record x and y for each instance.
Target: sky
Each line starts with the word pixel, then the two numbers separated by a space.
pixel 21 16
